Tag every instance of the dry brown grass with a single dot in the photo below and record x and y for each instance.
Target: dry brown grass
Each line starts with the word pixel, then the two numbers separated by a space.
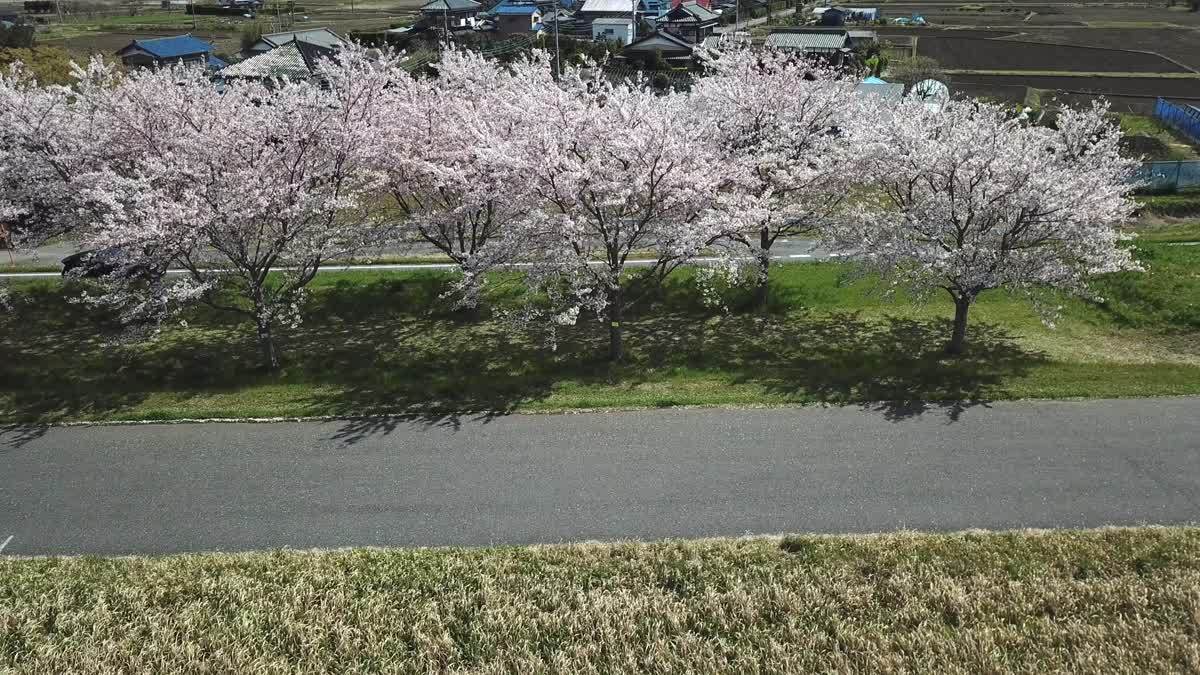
pixel 1115 600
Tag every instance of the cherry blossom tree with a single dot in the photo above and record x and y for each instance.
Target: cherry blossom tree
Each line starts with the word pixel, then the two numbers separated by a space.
pixel 43 147
pixel 799 168
pixel 618 169
pixel 249 190
pixel 446 148
pixel 971 198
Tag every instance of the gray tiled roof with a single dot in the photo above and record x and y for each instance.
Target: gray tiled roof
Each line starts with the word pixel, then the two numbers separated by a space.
pixel 607 6
pixel 285 61
pixel 699 11
pixel 319 36
pixel 450 6
pixel 807 42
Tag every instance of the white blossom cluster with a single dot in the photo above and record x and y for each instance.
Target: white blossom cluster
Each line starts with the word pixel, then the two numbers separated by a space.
pixel 565 179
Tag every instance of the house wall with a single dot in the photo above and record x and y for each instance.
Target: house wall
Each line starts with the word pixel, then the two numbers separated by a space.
pixel 455 19
pixel 691 32
pixel 143 60
pixel 517 24
pixel 609 33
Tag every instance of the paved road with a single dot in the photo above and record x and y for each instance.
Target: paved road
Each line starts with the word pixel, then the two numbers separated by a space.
pixel 784 250
pixel 549 478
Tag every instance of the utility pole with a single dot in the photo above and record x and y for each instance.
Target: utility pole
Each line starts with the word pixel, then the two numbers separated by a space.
pixel 633 28
pixel 557 52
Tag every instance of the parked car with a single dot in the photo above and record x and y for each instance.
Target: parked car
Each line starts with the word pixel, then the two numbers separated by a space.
pixel 105 261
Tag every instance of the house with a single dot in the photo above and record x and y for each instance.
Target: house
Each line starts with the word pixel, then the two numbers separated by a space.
pixel 613 29
pixel 861 13
pixel 830 16
pixel 690 21
pixel 837 16
pixel 861 39
pixel 295 60
pixel 518 17
pixel 591 10
pixel 169 51
pixel 455 14
pixel 322 37
pixel 564 21
pixel 831 45
pixel 674 49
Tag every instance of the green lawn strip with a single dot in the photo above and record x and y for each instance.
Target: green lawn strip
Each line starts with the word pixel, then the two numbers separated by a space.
pixel 1183 204
pixel 375 343
pixel 1187 231
pixel 1111 600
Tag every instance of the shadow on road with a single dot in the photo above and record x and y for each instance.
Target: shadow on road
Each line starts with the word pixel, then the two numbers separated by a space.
pixel 17 435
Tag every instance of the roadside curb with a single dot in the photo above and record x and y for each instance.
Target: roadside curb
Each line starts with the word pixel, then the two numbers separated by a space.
pixel 490 414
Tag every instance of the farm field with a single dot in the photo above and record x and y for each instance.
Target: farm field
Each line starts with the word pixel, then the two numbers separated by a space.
pixel 1180 44
pixel 991 54
pixel 1130 54
pixel 993 14
pixel 1148 87
pixel 104 31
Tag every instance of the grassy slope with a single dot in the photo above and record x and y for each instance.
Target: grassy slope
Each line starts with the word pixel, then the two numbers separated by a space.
pixel 382 342
pixel 1180 147
pixel 1119 600
pixel 1184 230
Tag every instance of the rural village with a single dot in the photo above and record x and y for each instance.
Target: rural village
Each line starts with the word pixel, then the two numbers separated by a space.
pixel 599 336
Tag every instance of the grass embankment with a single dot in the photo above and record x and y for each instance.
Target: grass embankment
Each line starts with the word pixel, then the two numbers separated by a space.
pixel 1177 146
pixel 1169 230
pixel 382 342
pixel 1183 204
pixel 1119 600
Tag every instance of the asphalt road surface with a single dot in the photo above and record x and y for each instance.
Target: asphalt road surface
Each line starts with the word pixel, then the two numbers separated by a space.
pixel 11 262
pixel 549 478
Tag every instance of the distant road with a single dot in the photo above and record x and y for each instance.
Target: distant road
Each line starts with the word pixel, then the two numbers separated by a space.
pixel 784 250
pixel 548 478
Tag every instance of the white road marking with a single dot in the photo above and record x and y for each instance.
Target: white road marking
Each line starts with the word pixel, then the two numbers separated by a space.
pixel 799 255
pixel 2 546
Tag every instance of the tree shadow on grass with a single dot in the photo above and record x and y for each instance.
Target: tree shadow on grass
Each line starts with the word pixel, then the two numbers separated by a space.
pixel 896 366
pixel 388 353
pixel 892 365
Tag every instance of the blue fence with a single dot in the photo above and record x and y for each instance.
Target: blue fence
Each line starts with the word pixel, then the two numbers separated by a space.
pixel 1184 118
pixel 1162 176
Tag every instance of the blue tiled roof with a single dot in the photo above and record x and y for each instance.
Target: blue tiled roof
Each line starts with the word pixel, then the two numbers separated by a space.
pixel 505 8
pixel 172 47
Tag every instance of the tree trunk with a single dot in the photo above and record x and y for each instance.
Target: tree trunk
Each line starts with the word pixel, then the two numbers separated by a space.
pixel 266 344
pixel 762 280
pixel 962 304
pixel 616 346
pixel 266 341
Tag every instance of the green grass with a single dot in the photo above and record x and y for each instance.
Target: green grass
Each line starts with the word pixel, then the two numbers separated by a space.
pixel 1177 146
pixel 1183 204
pixel 1186 231
pixel 382 342
pixel 1113 600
